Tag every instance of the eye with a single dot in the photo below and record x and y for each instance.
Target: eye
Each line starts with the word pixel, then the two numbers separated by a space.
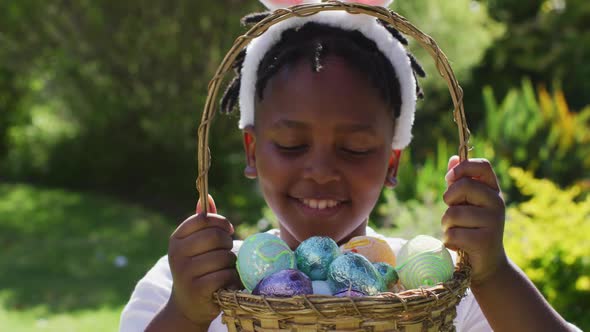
pixel 357 152
pixel 291 148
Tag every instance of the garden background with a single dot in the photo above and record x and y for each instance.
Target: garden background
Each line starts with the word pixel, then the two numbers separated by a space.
pixel 100 101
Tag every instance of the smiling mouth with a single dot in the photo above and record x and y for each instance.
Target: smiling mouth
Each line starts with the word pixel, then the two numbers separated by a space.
pixel 320 204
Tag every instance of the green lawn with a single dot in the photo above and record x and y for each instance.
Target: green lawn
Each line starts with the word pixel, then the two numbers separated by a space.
pixel 91 320
pixel 69 261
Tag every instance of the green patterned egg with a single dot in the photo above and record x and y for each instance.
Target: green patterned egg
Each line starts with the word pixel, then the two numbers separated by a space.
pixel 262 255
pixel 424 262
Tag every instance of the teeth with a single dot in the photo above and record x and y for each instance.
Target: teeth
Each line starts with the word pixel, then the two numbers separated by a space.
pixel 320 204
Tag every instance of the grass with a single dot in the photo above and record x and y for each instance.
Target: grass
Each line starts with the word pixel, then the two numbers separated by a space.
pixel 97 320
pixel 69 260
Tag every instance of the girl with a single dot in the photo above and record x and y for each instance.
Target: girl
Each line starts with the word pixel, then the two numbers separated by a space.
pixel 327 103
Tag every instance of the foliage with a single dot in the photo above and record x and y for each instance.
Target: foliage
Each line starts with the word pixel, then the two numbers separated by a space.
pixel 547 236
pixel 535 131
pixel 111 94
pixel 464 30
pixel 545 40
pixel 415 206
pixel 410 218
pixel 65 252
pixel 449 22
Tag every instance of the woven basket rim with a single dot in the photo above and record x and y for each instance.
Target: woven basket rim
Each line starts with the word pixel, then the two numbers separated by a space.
pixel 232 299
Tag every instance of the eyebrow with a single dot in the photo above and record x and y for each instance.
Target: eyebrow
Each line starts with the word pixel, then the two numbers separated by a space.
pixel 290 124
pixel 357 128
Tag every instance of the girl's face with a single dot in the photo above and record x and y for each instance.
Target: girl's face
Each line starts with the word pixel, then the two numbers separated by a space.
pixel 321 149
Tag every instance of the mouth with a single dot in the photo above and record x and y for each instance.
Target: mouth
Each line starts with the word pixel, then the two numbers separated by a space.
pixel 320 204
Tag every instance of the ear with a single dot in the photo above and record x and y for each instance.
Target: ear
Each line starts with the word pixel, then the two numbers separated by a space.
pixel 250 150
pixel 277 4
pixel 391 177
pixel 381 3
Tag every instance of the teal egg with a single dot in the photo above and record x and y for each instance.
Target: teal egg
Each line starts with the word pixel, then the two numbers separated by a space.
pixel 353 271
pixel 315 255
pixel 388 273
pixel 262 255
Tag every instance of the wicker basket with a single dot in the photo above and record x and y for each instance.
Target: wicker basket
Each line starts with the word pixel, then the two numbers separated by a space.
pixel 424 309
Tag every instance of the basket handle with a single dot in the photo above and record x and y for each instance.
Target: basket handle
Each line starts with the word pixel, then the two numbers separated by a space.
pixel 399 22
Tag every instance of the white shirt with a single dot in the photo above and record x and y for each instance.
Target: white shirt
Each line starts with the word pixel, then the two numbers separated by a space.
pixel 153 291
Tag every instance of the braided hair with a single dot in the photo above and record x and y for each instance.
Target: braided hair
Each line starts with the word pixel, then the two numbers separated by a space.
pixel 314 42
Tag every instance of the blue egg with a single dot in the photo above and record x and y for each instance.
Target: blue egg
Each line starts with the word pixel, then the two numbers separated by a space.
pixel 261 255
pixel 285 283
pixel 315 255
pixel 321 287
pixel 353 271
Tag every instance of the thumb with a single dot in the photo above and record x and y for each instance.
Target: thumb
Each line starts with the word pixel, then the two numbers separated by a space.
pixel 453 162
pixel 211 205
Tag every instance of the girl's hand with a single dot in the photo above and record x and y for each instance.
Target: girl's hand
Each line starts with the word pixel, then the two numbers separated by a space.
pixel 474 221
pixel 201 262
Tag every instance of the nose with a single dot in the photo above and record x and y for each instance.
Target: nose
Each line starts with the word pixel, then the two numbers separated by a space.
pixel 321 167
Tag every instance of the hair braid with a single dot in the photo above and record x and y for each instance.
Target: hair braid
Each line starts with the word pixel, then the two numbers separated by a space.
pixel 314 42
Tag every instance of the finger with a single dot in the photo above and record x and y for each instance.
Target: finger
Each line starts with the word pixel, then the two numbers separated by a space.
pixel 466 239
pixel 469 216
pixel 201 221
pixel 206 240
pixel 472 192
pixel 210 262
pixel 223 279
pixel 453 161
pixel 479 169
pixel 211 205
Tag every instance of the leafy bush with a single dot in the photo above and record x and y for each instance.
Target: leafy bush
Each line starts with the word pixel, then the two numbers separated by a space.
pixel 534 130
pixel 415 206
pixel 122 86
pixel 545 40
pixel 410 218
pixel 464 30
pixel 547 236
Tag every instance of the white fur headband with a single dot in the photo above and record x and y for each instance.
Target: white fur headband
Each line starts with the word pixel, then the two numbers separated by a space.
pixel 367 25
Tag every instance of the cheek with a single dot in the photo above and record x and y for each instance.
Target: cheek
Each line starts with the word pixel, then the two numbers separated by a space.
pixel 367 180
pixel 273 170
pixel 267 163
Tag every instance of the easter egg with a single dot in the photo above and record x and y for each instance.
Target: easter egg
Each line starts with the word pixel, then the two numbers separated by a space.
pixel 349 293
pixel 285 283
pixel 353 271
pixel 388 273
pixel 315 255
pixel 374 249
pixel 261 255
pixel 424 261
pixel 321 287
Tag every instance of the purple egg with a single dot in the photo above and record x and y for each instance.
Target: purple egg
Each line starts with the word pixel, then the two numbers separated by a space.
pixel 349 293
pixel 285 283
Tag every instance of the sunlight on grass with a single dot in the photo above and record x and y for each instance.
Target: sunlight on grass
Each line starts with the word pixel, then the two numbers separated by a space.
pixel 103 319
pixel 73 258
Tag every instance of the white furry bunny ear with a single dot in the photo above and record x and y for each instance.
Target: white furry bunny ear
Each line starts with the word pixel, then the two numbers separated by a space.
pixel 277 4
pixel 382 3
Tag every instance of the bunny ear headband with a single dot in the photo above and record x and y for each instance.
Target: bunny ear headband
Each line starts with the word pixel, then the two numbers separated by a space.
pixel 368 26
